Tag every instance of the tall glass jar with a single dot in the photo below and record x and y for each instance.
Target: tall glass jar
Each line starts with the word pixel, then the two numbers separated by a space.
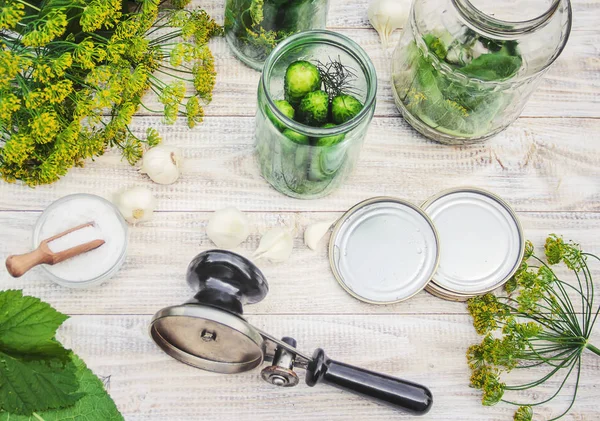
pixel 309 161
pixel 254 27
pixel 464 69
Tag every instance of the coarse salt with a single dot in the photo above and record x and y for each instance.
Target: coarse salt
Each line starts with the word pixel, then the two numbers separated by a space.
pixel 107 225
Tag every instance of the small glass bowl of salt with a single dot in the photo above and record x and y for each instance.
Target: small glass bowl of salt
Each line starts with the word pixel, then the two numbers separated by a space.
pixel 95 266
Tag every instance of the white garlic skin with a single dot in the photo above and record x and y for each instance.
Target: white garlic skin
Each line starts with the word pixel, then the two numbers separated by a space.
pixel 386 16
pixel 228 228
pixel 162 164
pixel 314 233
pixel 136 204
pixel 276 245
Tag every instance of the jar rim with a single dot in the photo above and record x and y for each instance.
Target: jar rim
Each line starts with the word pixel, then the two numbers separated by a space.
pixel 495 26
pixel 350 47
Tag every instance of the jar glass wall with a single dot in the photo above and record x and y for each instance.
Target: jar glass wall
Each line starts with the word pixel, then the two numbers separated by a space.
pixel 464 69
pixel 254 27
pixel 308 161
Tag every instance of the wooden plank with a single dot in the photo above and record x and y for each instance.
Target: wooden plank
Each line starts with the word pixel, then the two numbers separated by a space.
pixel 154 273
pixel 571 88
pixel 148 385
pixel 536 165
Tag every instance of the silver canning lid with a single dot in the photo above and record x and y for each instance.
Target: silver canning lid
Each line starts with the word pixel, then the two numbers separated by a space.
pixel 384 250
pixel 481 240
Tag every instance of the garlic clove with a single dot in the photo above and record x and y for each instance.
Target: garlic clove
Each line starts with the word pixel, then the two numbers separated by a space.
pixel 162 164
pixel 136 204
pixel 315 232
pixel 228 228
pixel 386 16
pixel 275 245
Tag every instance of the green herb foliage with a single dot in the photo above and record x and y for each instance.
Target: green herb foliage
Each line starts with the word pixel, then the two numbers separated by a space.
pixel 443 98
pixel 543 322
pixel 37 375
pixel 73 74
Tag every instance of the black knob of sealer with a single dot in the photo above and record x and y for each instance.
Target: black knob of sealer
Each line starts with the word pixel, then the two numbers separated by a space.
pixel 401 394
pixel 225 280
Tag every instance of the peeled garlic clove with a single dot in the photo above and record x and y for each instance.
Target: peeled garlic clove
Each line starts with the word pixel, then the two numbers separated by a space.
pixel 162 164
pixel 386 16
pixel 315 232
pixel 275 245
pixel 228 228
pixel 136 204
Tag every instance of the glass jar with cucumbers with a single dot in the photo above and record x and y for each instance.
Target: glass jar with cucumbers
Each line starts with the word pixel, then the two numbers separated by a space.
pixel 464 69
pixel 254 27
pixel 316 99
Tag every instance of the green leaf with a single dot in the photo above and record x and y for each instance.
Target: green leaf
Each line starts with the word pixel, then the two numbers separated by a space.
pixel 28 325
pixel 492 67
pixel 95 405
pixel 28 385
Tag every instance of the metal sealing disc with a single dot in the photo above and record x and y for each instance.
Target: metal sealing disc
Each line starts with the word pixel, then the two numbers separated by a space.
pixel 481 240
pixel 207 338
pixel 384 250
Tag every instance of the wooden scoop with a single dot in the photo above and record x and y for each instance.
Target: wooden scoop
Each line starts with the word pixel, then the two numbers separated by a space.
pixel 18 265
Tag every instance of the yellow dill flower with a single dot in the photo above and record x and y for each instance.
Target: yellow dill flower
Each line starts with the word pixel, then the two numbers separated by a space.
pixel 182 52
pixel 256 11
pixel 152 137
pixel 9 104
pixel 43 73
pixel 115 51
pixel 11 14
pixel 126 29
pixel 99 14
pixel 180 4
pixel 171 97
pixel 456 106
pixel 34 99
pixel 136 84
pixel 55 23
pixel 17 149
pixel 84 54
pixel 9 67
pixel 58 91
pixel 194 112
pixel 137 48
pixel 60 65
pixel 205 76
pixel 44 127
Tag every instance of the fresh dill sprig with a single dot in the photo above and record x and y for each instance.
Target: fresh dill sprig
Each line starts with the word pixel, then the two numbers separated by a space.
pixel 543 322
pixel 337 78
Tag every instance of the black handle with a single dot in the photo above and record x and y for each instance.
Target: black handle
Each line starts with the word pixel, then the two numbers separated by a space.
pixel 408 396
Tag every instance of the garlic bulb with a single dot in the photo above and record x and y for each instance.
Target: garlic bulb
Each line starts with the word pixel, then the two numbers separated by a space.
pixel 162 164
pixel 136 204
pixel 386 16
pixel 276 245
pixel 315 232
pixel 228 228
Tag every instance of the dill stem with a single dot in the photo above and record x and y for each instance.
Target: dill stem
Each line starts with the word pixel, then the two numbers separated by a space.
pixel 592 348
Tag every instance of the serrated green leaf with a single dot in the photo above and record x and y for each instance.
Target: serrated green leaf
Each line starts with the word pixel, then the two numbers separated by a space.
pixel 28 385
pixel 28 325
pixel 95 405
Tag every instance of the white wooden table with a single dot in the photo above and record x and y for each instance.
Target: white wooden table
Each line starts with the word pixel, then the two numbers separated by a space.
pixel 547 165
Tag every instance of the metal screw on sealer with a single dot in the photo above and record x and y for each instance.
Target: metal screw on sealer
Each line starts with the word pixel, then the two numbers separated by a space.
pixel 209 332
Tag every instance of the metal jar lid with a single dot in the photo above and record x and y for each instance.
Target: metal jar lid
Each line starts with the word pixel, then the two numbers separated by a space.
pixel 384 250
pixel 481 240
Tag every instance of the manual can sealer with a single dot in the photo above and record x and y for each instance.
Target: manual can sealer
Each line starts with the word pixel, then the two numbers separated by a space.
pixel 209 332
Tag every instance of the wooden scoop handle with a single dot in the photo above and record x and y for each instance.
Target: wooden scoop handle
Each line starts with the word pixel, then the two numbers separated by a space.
pixel 18 265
